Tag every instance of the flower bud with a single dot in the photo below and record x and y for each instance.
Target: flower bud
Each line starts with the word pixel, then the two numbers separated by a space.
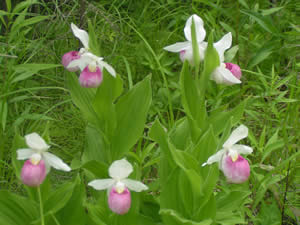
pixel 68 57
pixel 119 202
pixel 33 174
pixel 236 171
pixel 89 78
pixel 234 69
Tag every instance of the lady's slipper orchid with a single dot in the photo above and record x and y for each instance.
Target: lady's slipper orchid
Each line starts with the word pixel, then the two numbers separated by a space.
pixel 119 199
pixel 185 48
pixel 225 73
pixel 235 167
pixel 37 152
pixel 86 57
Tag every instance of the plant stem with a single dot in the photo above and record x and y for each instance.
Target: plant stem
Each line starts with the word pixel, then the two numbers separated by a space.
pixel 41 206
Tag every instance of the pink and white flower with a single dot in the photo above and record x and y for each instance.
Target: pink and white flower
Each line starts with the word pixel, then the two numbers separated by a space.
pixel 91 66
pixel 234 166
pixel 119 199
pixel 185 48
pixel 225 73
pixel 38 152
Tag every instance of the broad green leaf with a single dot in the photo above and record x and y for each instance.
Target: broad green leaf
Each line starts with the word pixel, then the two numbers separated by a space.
pixel 190 96
pixel 103 102
pixel 58 198
pixel 206 147
pixel 97 146
pixel 177 219
pixel 16 210
pixel 211 62
pixel 74 212
pixel 180 134
pixel 158 134
pixel 93 42
pixel 82 98
pixel 216 119
pixel 98 169
pixel 131 109
pixel 196 56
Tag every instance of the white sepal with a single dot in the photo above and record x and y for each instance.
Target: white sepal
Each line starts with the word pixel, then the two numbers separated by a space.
pixel 223 44
pixel 120 169
pixel 177 47
pixel 102 184
pixel 238 134
pixel 135 185
pixel 82 35
pixel 35 142
pixel 200 31
pixel 215 158
pixel 107 67
pixel 55 162
pixel 242 149
pixel 24 153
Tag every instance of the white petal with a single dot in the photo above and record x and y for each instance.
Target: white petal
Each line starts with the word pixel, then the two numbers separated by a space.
pixel 238 134
pixel 35 142
pixel 102 184
pixel 82 35
pixel 221 75
pixel 242 149
pixel 223 44
pixel 215 158
pixel 107 67
pixel 135 185
pixel 200 31
pixel 24 153
pixel 179 46
pixel 55 162
pixel 120 169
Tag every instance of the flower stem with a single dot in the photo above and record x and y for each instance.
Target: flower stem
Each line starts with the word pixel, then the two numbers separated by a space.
pixel 41 206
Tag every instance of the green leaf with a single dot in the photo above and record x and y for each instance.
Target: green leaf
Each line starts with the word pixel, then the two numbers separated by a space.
pixel 97 147
pixel 82 98
pixel 24 71
pixel 191 100
pixel 70 215
pixel 58 198
pixel 179 220
pixel 93 42
pixel 103 102
pixel 131 109
pixel 8 5
pixel 266 12
pixel 265 22
pixel 211 62
pixel 216 119
pixel 269 212
pixel 16 210
pixel 98 169
pixel 196 56
pixel 24 4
